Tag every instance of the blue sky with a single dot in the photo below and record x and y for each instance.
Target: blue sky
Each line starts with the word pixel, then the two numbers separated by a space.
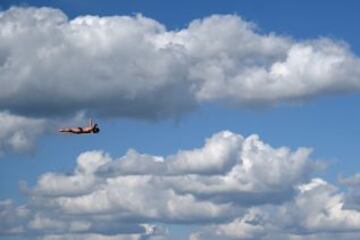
pixel 325 121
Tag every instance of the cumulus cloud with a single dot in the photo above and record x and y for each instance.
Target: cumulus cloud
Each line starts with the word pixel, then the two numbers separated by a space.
pixel 250 226
pixel 319 207
pixel 110 196
pixel 42 221
pixel 101 237
pixel 228 167
pixel 249 190
pixel 12 217
pixel 133 66
pixel 353 194
pixel 218 155
pixel 18 133
pixel 316 212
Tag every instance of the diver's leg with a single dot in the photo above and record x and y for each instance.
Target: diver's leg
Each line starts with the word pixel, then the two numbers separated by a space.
pixel 64 130
pixel 71 130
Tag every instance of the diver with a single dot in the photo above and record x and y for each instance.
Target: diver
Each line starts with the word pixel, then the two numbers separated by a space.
pixel 91 128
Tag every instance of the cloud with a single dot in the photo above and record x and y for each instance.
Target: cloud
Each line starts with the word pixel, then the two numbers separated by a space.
pixel 227 168
pixel 353 194
pixel 12 218
pixel 54 67
pixel 18 133
pixel 132 66
pixel 105 65
pixel 316 212
pixel 319 207
pixel 250 226
pixel 110 196
pixel 249 190
pixel 101 237
pixel 38 220
pixel 218 155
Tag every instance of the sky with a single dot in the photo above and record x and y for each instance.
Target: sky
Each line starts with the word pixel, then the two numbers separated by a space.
pixel 219 120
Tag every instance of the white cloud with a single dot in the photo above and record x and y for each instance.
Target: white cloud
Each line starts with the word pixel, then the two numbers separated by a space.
pixel 134 67
pixel 109 196
pixel 227 168
pixel 316 212
pixel 259 169
pixel 52 184
pixel 18 133
pixel 100 237
pixel 249 190
pixel 256 223
pixel 106 65
pixel 141 197
pixel 353 195
pixel 248 227
pixel 219 154
pixel 40 220
pixel 12 218
pixel 319 207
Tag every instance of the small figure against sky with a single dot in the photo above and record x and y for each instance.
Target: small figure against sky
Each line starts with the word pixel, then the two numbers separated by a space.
pixel 92 128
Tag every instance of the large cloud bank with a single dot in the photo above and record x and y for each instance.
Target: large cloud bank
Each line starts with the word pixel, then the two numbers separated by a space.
pixel 132 66
pixel 231 188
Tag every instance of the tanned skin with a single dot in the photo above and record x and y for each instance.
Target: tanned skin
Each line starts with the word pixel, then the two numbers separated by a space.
pixel 91 128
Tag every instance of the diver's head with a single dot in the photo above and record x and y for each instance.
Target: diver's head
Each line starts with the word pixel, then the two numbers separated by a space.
pixel 96 129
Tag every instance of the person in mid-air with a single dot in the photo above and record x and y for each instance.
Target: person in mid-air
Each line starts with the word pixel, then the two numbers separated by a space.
pixel 92 128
